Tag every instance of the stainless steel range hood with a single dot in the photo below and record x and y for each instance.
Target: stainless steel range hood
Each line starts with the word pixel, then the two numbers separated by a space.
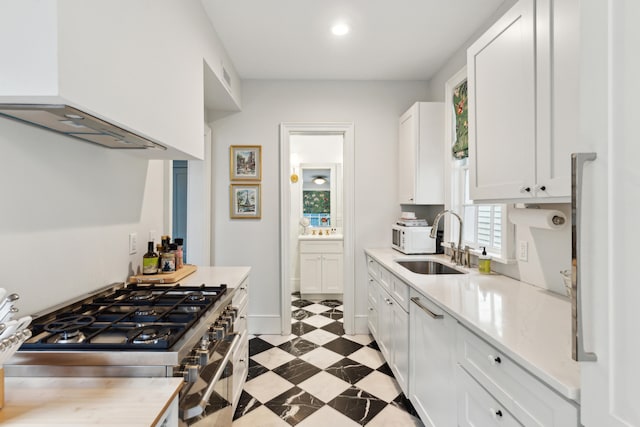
pixel 78 124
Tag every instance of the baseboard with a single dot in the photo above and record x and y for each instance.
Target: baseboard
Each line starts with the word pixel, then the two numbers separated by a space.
pixel 267 324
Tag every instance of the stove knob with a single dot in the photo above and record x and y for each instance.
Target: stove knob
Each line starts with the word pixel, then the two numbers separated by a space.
pixel 190 373
pixel 217 333
pixel 202 357
pixel 204 343
pixel 233 312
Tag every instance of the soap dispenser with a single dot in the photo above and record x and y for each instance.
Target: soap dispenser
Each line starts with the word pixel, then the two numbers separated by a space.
pixel 484 262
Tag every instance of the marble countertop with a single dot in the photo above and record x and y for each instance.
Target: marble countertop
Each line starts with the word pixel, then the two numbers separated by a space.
pixel 323 237
pixel 214 276
pixel 527 323
pixel 87 401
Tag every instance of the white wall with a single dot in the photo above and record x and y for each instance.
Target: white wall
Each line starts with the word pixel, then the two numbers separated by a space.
pixel 374 108
pixel 67 208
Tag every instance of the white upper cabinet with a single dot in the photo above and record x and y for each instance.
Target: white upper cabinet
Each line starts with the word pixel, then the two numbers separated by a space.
pixel 522 87
pixel 420 155
pixel 142 66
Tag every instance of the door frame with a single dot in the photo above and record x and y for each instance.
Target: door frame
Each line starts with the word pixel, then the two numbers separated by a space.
pixel 348 161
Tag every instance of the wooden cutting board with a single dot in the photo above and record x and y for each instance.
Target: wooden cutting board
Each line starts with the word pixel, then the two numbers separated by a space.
pixel 171 277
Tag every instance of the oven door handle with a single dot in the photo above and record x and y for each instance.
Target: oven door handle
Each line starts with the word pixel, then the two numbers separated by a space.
pixel 194 411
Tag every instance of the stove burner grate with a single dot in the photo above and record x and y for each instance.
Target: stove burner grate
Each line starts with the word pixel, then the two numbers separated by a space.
pixel 141 295
pixel 148 335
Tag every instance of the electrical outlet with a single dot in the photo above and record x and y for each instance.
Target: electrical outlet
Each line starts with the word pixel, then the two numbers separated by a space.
pixel 523 250
pixel 133 243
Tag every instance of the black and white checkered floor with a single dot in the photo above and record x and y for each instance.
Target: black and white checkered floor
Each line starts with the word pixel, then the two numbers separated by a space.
pixel 318 376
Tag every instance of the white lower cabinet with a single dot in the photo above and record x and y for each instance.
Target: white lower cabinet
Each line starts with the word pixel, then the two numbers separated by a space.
pixel 240 357
pixel 372 307
pixel 393 328
pixel 388 321
pixel 432 363
pixel 321 268
pixel 530 402
pixel 476 407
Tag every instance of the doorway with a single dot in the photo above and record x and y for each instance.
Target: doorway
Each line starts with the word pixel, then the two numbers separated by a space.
pixel 307 148
pixel 187 204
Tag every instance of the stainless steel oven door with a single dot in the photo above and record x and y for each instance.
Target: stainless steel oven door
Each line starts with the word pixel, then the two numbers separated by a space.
pixel 209 400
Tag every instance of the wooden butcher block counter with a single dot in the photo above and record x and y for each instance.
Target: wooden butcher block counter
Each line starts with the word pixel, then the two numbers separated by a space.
pixel 90 401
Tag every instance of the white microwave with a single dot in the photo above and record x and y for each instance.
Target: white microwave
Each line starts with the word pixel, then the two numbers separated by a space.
pixel 412 240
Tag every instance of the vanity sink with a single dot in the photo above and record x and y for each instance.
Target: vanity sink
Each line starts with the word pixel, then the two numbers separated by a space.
pixel 428 267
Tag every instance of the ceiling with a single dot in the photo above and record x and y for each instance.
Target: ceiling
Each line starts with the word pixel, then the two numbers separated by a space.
pixel 389 39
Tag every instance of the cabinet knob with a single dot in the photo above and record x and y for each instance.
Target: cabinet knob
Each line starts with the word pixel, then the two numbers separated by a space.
pixel 495 360
pixel 525 189
pixel 541 188
pixel 496 413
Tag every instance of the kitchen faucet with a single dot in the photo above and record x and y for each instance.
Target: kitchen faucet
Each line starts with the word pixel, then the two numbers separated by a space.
pixel 457 255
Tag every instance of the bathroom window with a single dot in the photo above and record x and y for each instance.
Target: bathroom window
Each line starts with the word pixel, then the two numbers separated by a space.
pixel 316 205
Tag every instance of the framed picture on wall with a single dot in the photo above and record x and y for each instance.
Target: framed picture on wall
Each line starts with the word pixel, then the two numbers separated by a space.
pixel 245 162
pixel 246 201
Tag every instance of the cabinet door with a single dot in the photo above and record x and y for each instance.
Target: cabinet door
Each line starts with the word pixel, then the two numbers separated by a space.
pixel 332 273
pixel 372 309
pixel 558 56
pixel 310 273
pixel 407 159
pixel 385 324
pixel 502 107
pixel 432 363
pixel 400 347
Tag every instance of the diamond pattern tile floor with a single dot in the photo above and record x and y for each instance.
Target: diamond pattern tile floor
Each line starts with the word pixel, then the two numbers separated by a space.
pixel 318 376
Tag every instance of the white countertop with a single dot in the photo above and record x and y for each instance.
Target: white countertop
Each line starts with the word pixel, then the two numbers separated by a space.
pixel 317 237
pixel 527 323
pixel 87 401
pixel 215 276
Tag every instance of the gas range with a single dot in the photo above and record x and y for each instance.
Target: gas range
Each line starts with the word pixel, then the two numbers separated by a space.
pixel 138 317
pixel 198 333
pixel 124 330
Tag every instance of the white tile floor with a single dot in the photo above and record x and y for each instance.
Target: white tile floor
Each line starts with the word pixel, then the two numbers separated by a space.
pixel 320 377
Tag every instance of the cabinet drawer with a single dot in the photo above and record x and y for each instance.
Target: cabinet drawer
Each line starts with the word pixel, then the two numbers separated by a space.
pixel 372 289
pixel 400 292
pixel 527 398
pixel 330 247
pixel 476 407
pixel 373 268
pixel 385 279
pixel 240 297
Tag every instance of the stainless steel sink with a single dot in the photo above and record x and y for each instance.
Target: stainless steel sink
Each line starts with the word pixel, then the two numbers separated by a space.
pixel 428 267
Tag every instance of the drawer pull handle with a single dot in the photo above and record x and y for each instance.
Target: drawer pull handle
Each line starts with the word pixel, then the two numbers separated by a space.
pixel 497 414
pixel 243 317
pixel 416 301
pixel 495 360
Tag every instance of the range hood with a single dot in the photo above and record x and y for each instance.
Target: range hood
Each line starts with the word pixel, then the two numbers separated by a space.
pixel 77 124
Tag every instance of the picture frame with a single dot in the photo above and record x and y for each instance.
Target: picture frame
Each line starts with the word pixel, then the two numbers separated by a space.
pixel 245 162
pixel 245 201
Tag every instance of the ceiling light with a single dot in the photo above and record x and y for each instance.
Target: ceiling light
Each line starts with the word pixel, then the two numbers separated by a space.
pixel 319 180
pixel 340 29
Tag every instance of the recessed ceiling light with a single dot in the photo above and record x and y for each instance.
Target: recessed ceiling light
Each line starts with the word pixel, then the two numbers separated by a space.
pixel 340 29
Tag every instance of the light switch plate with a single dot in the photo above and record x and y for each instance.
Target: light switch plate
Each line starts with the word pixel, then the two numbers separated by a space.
pixel 133 243
pixel 523 250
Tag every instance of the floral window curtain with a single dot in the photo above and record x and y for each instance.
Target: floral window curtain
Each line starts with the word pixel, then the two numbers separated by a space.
pixel 460 149
pixel 316 201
